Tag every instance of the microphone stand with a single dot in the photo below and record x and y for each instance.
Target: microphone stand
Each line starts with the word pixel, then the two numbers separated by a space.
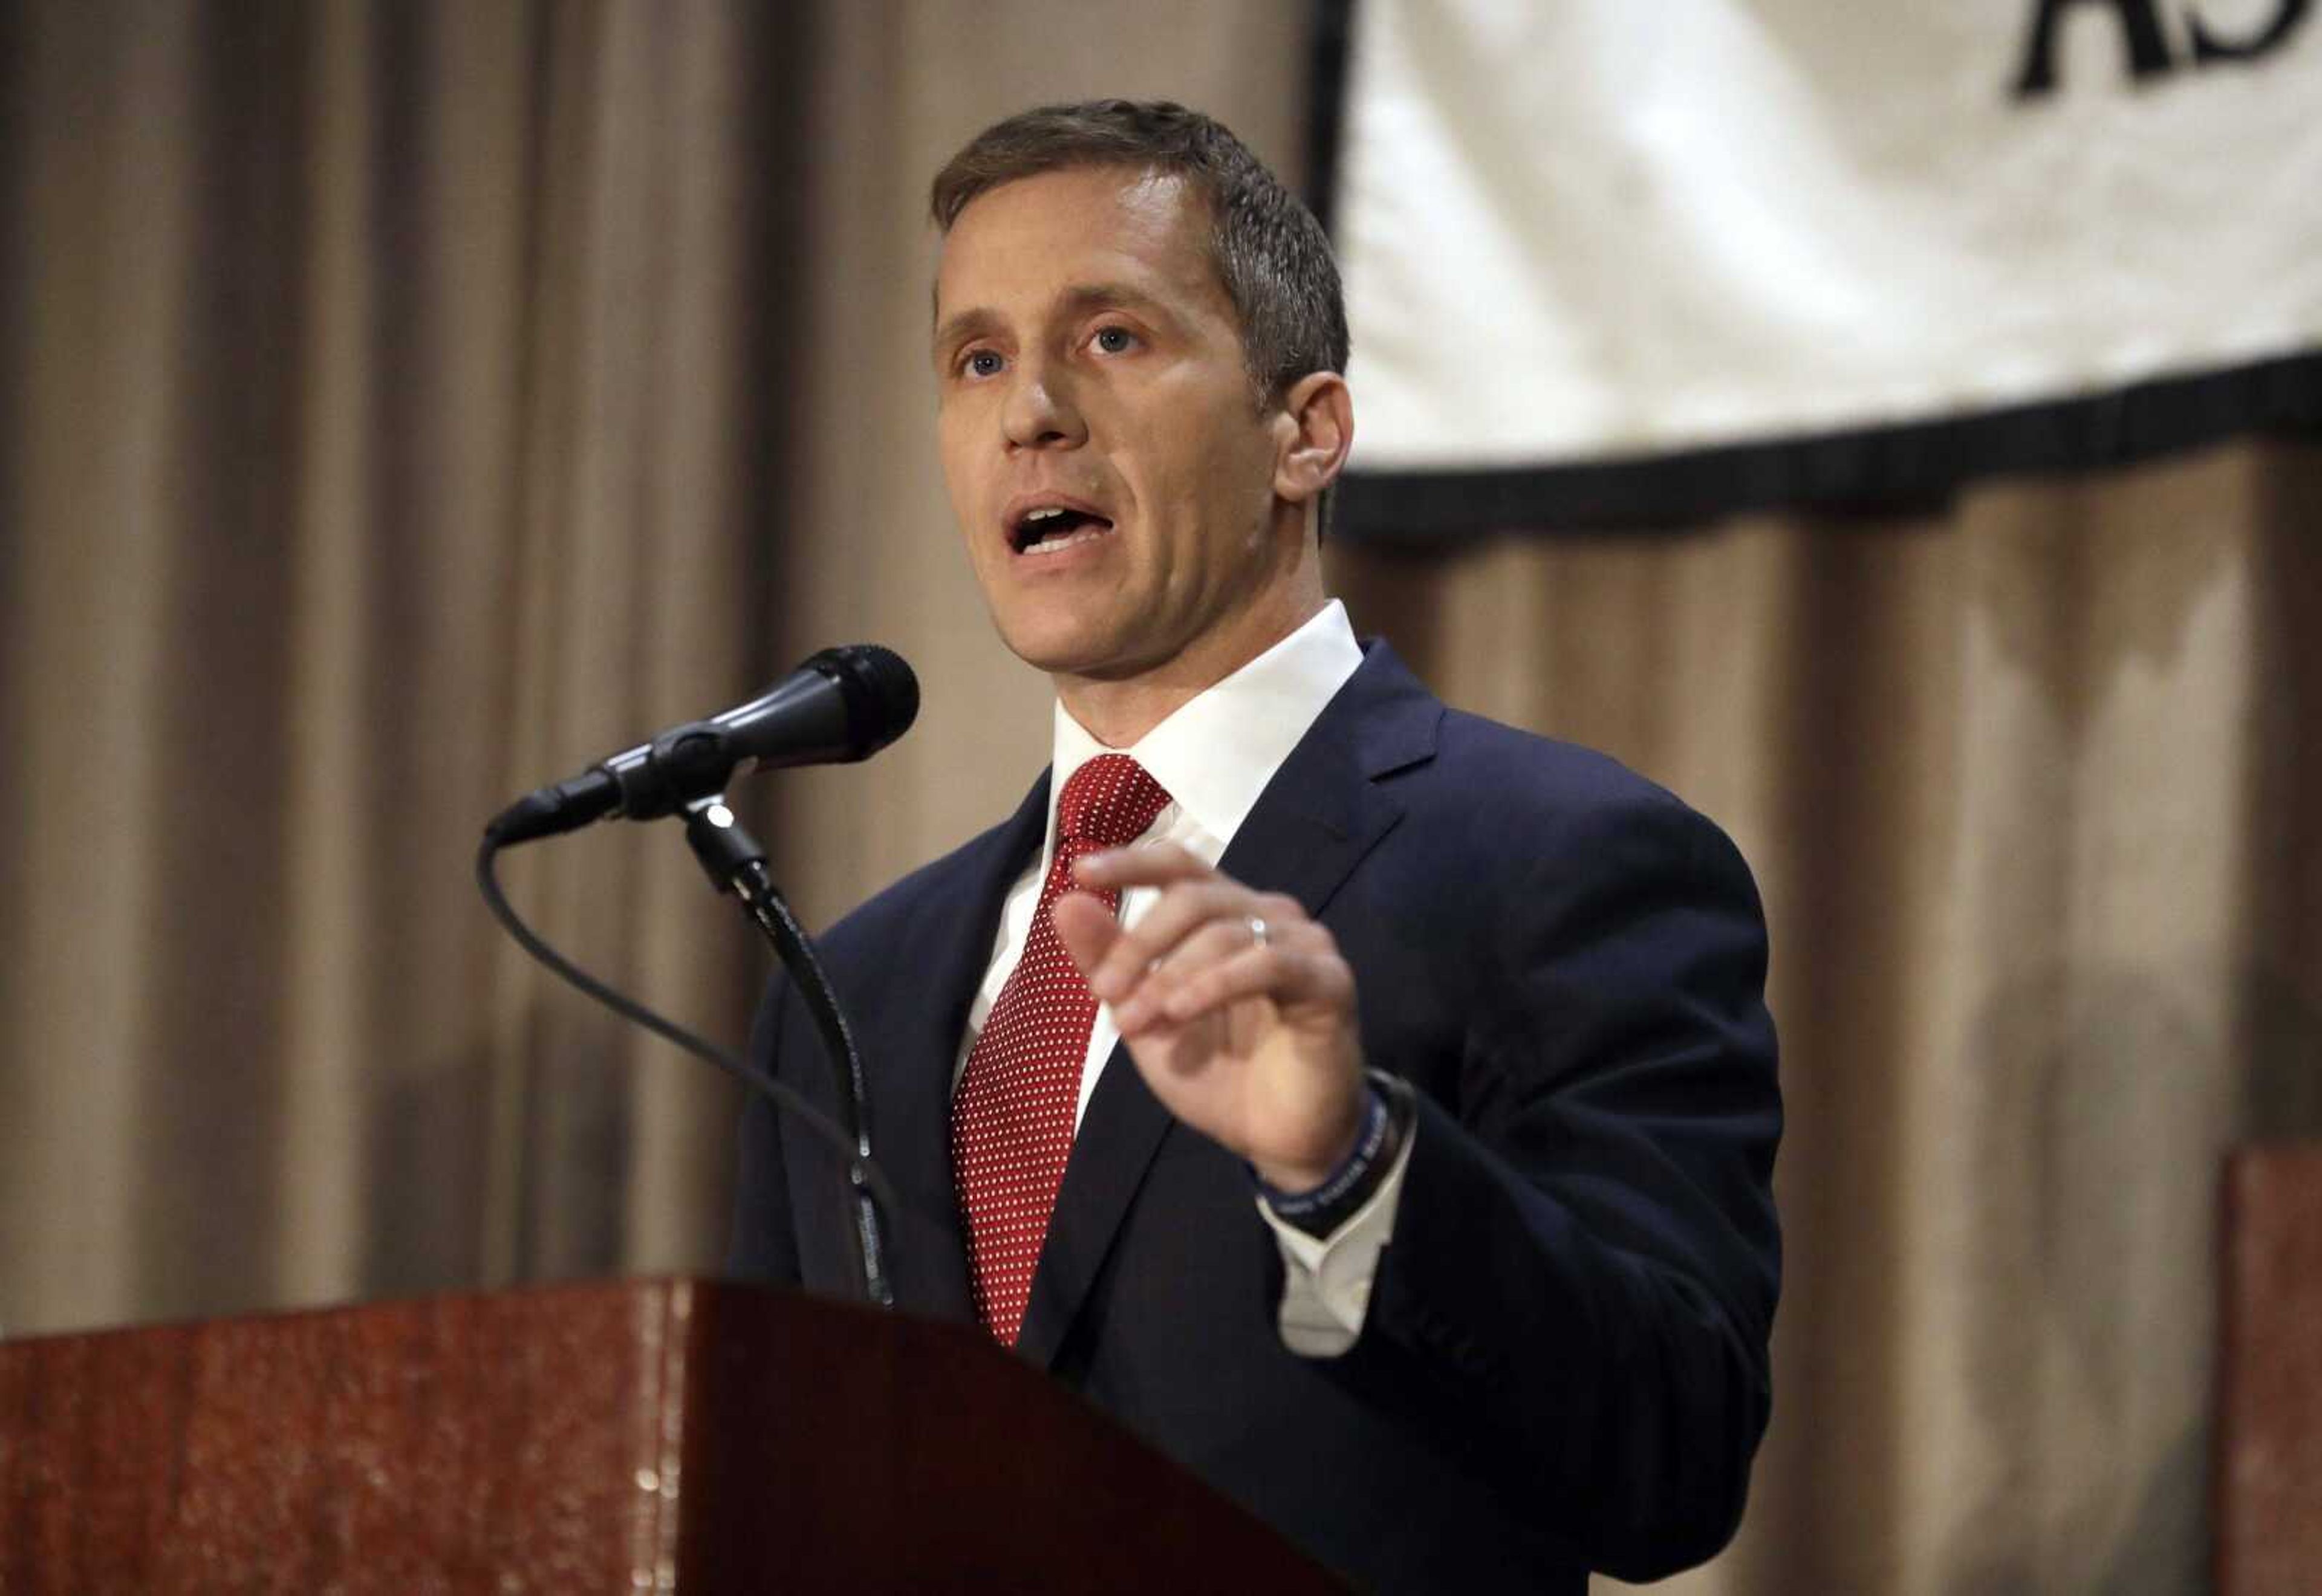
pixel 734 862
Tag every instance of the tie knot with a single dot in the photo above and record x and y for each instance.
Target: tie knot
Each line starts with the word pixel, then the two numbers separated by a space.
pixel 1110 801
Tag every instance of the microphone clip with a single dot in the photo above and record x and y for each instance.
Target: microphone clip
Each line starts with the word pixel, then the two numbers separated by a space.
pixel 681 766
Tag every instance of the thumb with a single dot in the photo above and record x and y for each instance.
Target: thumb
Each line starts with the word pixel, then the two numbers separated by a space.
pixel 1087 928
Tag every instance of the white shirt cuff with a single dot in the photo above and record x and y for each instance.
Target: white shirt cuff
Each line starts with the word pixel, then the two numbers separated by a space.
pixel 1326 1279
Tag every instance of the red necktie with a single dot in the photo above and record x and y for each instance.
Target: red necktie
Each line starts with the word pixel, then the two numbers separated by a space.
pixel 1011 1121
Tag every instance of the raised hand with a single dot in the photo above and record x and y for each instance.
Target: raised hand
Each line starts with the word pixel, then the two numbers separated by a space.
pixel 1238 1009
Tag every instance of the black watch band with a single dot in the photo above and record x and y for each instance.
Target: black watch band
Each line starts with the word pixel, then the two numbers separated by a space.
pixel 1386 1126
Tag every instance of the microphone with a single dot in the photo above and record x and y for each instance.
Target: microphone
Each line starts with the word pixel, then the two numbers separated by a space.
pixel 842 705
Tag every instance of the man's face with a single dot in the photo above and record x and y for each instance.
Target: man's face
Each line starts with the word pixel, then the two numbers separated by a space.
pixel 1089 362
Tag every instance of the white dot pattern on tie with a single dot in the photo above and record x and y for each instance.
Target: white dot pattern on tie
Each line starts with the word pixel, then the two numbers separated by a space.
pixel 1011 1126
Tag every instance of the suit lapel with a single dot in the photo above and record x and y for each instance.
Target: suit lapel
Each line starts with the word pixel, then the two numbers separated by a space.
pixel 911 1123
pixel 1312 826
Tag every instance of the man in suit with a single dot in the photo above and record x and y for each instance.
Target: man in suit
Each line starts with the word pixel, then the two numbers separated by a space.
pixel 1372 1106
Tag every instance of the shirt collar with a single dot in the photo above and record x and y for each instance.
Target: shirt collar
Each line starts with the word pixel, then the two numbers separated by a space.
pixel 1216 753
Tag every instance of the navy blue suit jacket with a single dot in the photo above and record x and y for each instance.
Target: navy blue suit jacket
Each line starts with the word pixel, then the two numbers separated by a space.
pixel 1564 1363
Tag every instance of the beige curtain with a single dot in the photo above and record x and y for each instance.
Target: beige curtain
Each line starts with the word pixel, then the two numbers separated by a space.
pixel 401 405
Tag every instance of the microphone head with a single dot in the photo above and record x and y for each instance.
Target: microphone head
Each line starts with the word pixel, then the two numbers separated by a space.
pixel 882 693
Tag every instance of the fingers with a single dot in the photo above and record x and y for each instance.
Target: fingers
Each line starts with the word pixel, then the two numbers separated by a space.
pixel 1193 949
pixel 1178 914
pixel 1156 866
pixel 1085 927
pixel 1205 975
pixel 1149 997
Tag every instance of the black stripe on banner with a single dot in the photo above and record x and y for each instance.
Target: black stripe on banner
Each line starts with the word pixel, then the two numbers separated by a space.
pixel 1869 469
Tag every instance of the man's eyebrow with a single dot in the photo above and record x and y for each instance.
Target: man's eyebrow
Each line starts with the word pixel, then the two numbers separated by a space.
pixel 1091 297
pixel 960 328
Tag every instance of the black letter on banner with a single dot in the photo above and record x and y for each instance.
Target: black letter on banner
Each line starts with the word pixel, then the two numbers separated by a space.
pixel 2148 51
pixel 2208 47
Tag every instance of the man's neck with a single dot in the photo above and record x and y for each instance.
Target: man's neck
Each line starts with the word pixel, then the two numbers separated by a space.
pixel 1118 713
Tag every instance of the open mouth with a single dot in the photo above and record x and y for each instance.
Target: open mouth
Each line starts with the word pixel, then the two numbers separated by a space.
pixel 1050 529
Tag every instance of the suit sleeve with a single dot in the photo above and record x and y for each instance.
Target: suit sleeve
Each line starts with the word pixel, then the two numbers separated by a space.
pixel 1586 1255
pixel 765 1246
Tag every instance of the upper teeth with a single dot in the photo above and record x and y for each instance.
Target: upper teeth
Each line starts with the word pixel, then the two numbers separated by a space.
pixel 1043 514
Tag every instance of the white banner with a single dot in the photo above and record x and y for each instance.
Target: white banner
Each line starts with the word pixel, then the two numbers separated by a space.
pixel 1597 230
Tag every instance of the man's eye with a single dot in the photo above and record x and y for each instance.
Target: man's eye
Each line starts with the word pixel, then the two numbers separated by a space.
pixel 1115 340
pixel 981 362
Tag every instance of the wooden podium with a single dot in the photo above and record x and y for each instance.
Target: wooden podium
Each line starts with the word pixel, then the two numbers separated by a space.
pixel 676 1435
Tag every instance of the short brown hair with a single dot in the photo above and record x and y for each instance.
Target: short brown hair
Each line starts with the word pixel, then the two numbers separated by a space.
pixel 1271 255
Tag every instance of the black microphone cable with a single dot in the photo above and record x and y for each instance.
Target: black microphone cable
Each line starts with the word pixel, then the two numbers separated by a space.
pixel 789 1099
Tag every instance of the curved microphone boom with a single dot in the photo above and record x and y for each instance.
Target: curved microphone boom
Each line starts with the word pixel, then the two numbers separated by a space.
pixel 842 705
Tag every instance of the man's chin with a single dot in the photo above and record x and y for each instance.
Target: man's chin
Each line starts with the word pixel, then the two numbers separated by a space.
pixel 1060 659
pixel 1073 651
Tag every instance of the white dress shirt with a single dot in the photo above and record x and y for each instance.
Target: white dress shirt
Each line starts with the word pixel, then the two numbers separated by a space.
pixel 1214 756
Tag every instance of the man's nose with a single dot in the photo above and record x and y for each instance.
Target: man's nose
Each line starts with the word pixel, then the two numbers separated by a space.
pixel 1041 412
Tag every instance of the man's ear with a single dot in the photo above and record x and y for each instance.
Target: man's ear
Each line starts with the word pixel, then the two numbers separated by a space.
pixel 1315 427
